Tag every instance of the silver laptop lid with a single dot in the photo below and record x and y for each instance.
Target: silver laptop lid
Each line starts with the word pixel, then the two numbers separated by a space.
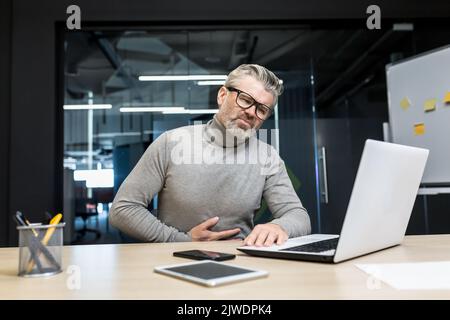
pixel 382 199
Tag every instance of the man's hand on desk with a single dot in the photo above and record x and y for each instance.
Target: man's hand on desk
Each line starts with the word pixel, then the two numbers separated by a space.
pixel 266 235
pixel 202 232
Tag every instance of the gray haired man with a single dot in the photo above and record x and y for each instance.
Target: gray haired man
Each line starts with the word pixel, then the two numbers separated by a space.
pixel 215 198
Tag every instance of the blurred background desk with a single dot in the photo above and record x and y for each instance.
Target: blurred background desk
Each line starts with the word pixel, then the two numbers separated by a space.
pixel 126 272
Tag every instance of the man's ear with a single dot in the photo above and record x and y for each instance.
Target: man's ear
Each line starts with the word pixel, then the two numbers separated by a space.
pixel 221 95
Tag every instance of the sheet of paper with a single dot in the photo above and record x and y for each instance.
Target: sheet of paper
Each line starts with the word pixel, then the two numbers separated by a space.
pixel 419 129
pixel 405 103
pixel 447 98
pixel 411 276
pixel 429 105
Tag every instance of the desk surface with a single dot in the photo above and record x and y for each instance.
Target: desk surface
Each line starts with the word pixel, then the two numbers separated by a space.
pixel 126 272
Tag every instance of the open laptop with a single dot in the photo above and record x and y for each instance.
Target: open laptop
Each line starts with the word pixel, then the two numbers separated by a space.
pixel 378 212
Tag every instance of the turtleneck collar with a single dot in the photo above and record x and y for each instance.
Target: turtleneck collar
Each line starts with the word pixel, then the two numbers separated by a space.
pixel 216 133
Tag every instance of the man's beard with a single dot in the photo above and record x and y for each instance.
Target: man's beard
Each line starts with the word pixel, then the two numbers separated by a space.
pixel 234 130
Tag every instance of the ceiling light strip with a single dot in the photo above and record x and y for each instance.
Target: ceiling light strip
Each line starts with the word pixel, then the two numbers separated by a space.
pixel 197 77
pixel 86 106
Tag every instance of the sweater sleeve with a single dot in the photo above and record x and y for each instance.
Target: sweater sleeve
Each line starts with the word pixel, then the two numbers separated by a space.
pixel 129 211
pixel 282 200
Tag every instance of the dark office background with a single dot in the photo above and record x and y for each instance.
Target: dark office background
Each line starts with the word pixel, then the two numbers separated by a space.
pixel 31 124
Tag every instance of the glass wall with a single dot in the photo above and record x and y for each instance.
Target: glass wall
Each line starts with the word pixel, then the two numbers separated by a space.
pixel 335 98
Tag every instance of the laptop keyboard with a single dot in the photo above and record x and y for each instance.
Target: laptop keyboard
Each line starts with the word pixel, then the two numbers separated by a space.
pixel 316 247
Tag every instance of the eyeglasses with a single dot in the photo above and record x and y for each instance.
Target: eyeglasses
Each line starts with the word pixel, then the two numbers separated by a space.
pixel 245 101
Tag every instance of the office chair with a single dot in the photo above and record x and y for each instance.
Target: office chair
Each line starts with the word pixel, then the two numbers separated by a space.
pixel 86 209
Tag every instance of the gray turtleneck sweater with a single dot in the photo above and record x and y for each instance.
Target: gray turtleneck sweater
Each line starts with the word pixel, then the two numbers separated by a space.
pixel 200 172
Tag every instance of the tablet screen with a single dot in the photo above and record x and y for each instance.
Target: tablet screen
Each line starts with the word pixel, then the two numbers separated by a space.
pixel 209 270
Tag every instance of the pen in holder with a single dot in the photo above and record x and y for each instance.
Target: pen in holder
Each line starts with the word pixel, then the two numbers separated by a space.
pixel 40 249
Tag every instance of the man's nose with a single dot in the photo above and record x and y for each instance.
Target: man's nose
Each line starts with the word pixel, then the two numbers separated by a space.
pixel 251 112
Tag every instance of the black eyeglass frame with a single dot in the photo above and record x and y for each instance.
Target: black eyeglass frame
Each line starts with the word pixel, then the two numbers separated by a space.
pixel 255 103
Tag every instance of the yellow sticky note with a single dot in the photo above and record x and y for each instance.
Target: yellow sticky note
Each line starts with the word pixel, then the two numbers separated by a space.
pixel 447 98
pixel 405 103
pixel 430 105
pixel 419 129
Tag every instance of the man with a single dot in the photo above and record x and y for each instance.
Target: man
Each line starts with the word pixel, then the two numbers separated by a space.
pixel 208 183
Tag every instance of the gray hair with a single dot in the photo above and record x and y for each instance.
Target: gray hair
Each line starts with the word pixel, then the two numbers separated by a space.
pixel 268 78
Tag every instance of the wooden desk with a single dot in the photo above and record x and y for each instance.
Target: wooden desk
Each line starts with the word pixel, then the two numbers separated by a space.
pixel 126 272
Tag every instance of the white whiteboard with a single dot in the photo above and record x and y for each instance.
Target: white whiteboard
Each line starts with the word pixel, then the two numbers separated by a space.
pixel 413 82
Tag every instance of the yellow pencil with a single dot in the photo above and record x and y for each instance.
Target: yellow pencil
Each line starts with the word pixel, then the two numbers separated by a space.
pixel 55 220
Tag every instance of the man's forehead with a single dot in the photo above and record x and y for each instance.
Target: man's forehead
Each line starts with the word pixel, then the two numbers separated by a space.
pixel 255 88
